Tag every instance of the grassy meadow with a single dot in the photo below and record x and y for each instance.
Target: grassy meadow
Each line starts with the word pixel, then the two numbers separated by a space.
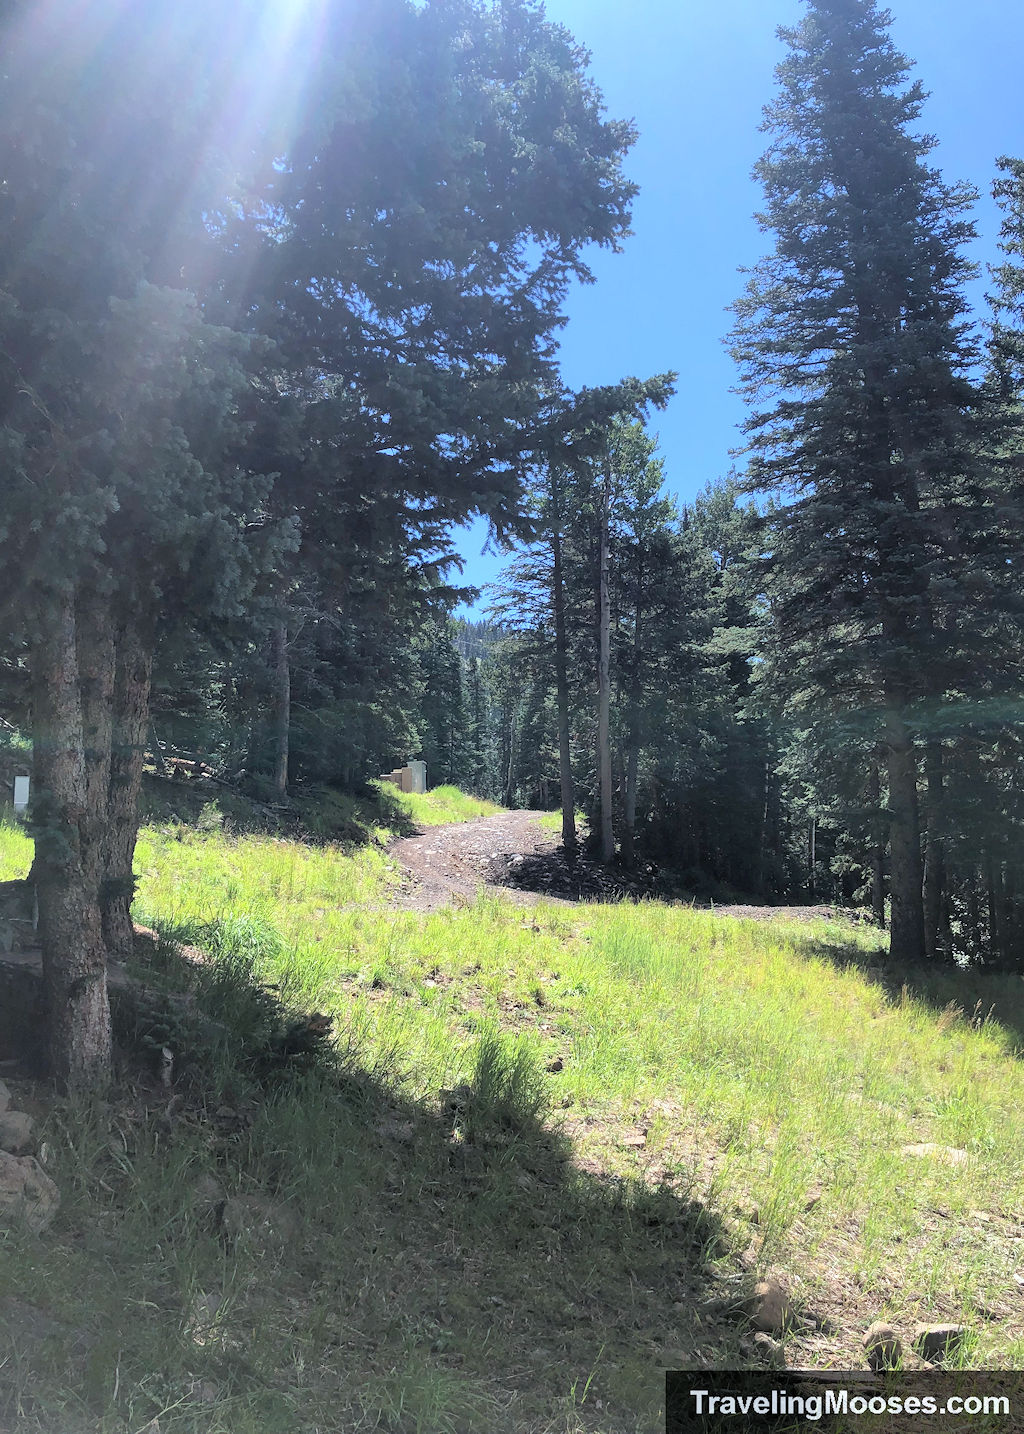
pixel 552 1138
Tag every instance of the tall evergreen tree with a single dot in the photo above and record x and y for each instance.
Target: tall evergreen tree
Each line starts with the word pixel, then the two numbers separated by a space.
pixel 856 358
pixel 379 252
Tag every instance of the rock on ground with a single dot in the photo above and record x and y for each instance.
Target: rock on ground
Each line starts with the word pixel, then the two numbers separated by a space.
pixel 769 1310
pixel 939 1341
pixel 883 1346
pixel 28 1197
pixel 946 1153
pixel 17 1132
pixel 266 1224
pixel 770 1350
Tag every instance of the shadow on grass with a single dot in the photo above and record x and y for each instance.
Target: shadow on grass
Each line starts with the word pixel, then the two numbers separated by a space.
pixel 435 1267
pixel 313 814
pixel 974 993
pixel 549 873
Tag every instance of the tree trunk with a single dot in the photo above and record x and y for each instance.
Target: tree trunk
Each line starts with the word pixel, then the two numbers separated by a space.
pixel 604 744
pixel 509 794
pixel 877 849
pixel 131 723
pixel 562 693
pixel 762 831
pixel 632 766
pixel 67 853
pixel 282 704
pixel 934 866
pixel 812 856
pixel 992 904
pixel 94 650
pixel 633 736
pixel 974 909
pixel 906 926
pixel 156 749
pixel 1008 917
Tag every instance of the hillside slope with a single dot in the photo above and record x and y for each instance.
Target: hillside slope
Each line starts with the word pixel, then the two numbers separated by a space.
pixel 560 1142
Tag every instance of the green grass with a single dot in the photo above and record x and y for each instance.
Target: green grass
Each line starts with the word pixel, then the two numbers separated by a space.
pixel 554 1133
pixel 443 805
pixel 15 847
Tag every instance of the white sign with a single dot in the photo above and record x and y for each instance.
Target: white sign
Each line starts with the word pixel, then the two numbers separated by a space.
pixel 20 793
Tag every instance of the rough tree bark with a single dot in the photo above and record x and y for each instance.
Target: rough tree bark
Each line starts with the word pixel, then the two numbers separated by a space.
pixel 562 694
pixel 992 891
pixel 906 922
pixel 632 764
pixel 68 861
pixel 130 724
pixel 604 744
pixel 874 796
pixel 282 704
pixel 934 865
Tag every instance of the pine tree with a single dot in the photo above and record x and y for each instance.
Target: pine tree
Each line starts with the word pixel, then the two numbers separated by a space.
pixel 855 355
pixel 356 291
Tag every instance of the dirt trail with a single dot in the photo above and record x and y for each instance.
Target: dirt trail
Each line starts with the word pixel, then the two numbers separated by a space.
pixel 452 863
pixel 512 853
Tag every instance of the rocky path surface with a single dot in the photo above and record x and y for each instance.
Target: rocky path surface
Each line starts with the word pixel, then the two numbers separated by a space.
pixel 451 863
pixel 512 853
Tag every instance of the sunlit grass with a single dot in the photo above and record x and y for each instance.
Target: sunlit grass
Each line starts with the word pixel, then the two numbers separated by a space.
pixel 757 1072
pixel 15 847
pixel 442 805
pixel 738 1040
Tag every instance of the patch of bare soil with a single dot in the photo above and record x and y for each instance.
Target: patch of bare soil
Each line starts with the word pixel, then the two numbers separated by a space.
pixel 789 913
pixel 450 864
pixel 514 853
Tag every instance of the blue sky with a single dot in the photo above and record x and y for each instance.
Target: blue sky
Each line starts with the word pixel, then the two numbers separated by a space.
pixel 695 74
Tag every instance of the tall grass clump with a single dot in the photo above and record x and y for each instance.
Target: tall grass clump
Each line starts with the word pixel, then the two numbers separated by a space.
pixel 507 1089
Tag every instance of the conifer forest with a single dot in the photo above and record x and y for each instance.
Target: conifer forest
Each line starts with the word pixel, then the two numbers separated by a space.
pixel 254 374
pixel 284 286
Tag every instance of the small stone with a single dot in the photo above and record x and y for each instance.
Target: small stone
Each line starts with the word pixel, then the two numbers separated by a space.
pixel 5 1097
pixel 948 1154
pixel 812 1198
pixel 939 1342
pixel 459 1096
pixel 204 1391
pixel 403 1131
pixel 636 1140
pixel 770 1350
pixel 261 1223
pixel 556 1065
pixel 207 1197
pixel 27 1194
pixel 769 1310
pixel 17 1132
pixel 883 1346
